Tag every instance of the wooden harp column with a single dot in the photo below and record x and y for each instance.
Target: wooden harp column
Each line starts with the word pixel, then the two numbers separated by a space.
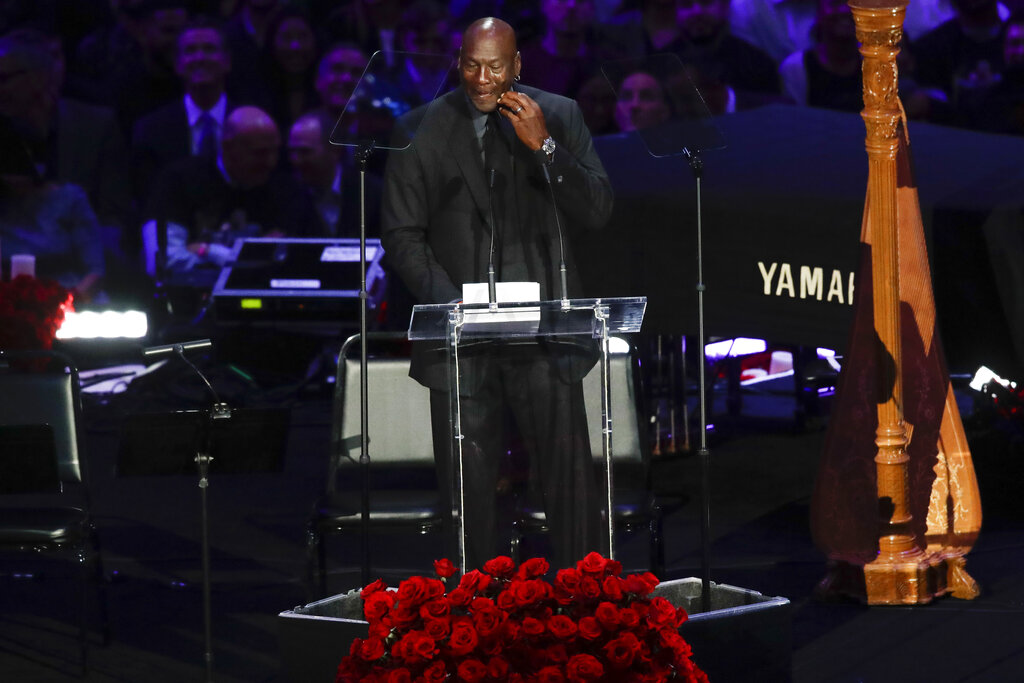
pixel 903 573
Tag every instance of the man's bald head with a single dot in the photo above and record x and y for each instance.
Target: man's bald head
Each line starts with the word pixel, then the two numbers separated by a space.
pixel 488 61
pixel 310 153
pixel 250 146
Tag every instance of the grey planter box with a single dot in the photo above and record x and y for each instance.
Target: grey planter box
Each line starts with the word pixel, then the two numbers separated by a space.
pixel 745 637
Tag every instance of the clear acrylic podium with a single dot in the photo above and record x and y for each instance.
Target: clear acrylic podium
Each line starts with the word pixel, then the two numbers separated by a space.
pixel 461 324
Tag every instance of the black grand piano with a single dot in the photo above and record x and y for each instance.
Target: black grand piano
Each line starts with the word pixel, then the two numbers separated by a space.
pixel 782 209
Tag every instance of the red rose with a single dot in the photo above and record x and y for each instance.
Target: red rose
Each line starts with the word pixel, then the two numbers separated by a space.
pixel 556 654
pixel 583 668
pixel 413 591
pixel 348 671
pixel 444 568
pixel 487 620
pixel 533 568
pixel 562 627
pixel 399 676
pixel 550 674
pixel 614 567
pixel 376 605
pixel 510 630
pixel 526 593
pixel 438 629
pixel 621 651
pixel 415 647
pixel 372 649
pixel 374 587
pixel 506 600
pixel 593 564
pixel 379 629
pixel 472 670
pixel 608 615
pixel 661 613
pixel 629 618
pixel 491 646
pixel 497 668
pixel 436 672
pixel 462 639
pixel 403 615
pixel 590 628
pixel 533 627
pixel 612 588
pixel 459 597
pixel 500 567
pixel 590 588
pixel 568 580
pixel 635 584
pixel 435 608
pixel 475 581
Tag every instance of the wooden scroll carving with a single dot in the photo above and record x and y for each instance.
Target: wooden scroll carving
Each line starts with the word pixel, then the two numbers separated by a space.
pixel 920 484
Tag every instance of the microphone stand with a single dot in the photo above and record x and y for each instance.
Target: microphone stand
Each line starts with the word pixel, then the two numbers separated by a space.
pixel 697 166
pixel 363 154
pixel 218 411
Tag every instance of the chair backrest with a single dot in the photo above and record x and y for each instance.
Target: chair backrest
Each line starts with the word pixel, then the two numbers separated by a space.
pixel 627 444
pixel 398 411
pixel 45 398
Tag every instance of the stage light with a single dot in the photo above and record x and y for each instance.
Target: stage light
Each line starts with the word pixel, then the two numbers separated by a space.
pixel 829 356
pixel 740 346
pixel 104 324
pixel 985 376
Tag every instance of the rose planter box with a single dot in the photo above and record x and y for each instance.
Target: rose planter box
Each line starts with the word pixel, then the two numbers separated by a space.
pixel 745 637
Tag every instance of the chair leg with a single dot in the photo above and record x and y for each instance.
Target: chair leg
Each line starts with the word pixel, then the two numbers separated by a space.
pixel 657 546
pixel 83 616
pixel 316 563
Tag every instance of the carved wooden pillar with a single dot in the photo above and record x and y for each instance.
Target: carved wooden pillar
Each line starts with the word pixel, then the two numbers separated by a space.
pixel 902 573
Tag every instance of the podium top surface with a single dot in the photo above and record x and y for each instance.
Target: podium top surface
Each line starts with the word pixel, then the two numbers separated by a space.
pixel 621 315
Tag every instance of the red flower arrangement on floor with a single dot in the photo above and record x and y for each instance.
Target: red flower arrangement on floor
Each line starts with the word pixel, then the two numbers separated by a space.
pixel 31 312
pixel 506 623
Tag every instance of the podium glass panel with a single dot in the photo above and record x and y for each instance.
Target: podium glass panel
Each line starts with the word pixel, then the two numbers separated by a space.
pixel 463 324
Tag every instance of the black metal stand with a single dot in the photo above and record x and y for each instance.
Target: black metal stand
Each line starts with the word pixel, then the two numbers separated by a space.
pixel 697 166
pixel 363 154
pixel 218 411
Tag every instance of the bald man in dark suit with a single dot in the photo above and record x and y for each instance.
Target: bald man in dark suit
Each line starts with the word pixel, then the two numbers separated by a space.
pixel 436 235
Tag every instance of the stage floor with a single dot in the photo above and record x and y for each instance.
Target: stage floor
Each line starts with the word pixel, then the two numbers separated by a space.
pixel 763 471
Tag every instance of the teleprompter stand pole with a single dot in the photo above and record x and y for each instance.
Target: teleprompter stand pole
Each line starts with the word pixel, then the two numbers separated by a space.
pixel 363 154
pixel 697 166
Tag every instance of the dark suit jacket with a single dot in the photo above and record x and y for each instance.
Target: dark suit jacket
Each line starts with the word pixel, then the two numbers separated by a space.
pixel 91 153
pixel 158 139
pixel 433 223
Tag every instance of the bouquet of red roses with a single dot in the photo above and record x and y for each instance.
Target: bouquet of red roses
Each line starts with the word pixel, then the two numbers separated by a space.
pixel 31 312
pixel 506 623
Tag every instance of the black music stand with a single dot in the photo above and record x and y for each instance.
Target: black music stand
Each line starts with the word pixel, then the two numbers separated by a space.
pixel 681 126
pixel 387 90
pixel 217 440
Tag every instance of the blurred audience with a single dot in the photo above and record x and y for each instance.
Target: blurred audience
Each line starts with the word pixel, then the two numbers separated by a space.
pixel 138 86
pixel 168 75
pixel 204 204
pixel 1001 108
pixel 193 123
pixel 962 57
pixel 333 187
pixel 291 71
pixel 828 74
pixel 642 103
pixel 71 141
pixel 563 57
pixel 50 220
pixel 336 77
